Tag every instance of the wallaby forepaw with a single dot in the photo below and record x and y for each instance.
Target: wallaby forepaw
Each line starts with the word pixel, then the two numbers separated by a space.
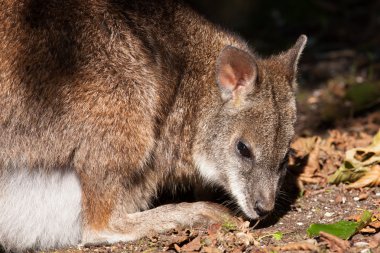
pixel 213 213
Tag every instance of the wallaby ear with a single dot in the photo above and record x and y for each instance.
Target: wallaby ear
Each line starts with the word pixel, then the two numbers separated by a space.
pixel 292 56
pixel 236 72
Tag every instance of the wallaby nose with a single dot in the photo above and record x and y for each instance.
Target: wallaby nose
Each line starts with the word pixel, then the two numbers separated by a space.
pixel 261 209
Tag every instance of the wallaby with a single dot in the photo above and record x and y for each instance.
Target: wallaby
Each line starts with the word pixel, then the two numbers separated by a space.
pixel 104 102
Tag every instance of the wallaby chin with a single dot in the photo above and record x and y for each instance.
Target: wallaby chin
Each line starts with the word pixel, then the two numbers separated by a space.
pixel 39 210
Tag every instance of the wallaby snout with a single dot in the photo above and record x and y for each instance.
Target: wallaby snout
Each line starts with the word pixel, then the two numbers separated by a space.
pixel 264 202
pixel 263 208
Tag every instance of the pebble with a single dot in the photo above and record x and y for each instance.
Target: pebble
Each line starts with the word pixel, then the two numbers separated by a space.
pixel 366 251
pixel 361 244
pixel 311 241
pixel 377 194
pixel 356 198
pixel 244 238
pixel 299 223
pixel 328 214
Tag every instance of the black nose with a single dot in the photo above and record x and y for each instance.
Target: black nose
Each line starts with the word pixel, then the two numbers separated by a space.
pixel 261 210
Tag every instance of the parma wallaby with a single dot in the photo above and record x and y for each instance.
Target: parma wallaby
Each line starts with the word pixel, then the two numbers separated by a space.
pixel 103 102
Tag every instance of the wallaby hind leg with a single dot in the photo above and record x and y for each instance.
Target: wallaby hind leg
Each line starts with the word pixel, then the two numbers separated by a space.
pixel 127 227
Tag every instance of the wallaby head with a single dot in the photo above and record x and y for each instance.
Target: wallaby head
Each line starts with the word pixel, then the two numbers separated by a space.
pixel 243 139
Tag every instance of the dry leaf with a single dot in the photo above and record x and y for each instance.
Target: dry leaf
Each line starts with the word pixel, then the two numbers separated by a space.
pixel 313 162
pixel 303 146
pixel 363 196
pixel 211 250
pixel 375 224
pixel 368 230
pixel 360 166
pixel 177 248
pixel 214 228
pixel 371 178
pixel 297 246
pixel 374 242
pixel 194 245
pixel 334 242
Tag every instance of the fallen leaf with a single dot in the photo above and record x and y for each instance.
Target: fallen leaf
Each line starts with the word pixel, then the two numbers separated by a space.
pixel 303 146
pixel 371 178
pixel 335 243
pixel 213 229
pixel 363 196
pixel 342 229
pixel 194 245
pixel 211 250
pixel 375 224
pixel 177 248
pixel 347 173
pixel 374 242
pixel 313 161
pixel 368 230
pixel 296 246
pixel 361 166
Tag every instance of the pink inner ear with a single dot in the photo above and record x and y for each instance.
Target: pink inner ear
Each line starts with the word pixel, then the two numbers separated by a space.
pixel 227 77
pixel 235 68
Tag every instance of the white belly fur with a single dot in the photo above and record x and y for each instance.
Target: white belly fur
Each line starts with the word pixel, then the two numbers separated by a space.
pixel 39 210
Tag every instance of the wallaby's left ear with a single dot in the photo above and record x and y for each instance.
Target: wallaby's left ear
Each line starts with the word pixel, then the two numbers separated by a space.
pixel 292 56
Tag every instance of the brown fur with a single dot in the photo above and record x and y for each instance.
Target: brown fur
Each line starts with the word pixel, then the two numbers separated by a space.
pixel 125 93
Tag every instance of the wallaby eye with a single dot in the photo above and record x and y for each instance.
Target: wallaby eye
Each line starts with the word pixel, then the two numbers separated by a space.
pixel 243 150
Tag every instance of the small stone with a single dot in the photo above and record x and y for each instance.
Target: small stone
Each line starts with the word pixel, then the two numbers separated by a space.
pixel 361 244
pixel 377 194
pixel 356 198
pixel 328 214
pixel 311 241
pixel 366 251
pixel 299 223
pixel 243 238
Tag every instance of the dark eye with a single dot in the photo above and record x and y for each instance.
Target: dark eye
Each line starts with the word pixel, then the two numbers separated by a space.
pixel 243 150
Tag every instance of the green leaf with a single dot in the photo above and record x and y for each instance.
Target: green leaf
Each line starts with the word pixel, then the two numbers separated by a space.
pixel 365 219
pixel 342 229
pixel 347 173
pixel 277 236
